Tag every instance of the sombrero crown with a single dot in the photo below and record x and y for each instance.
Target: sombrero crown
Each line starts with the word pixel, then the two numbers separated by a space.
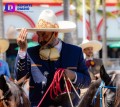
pixel 47 21
pixel 93 43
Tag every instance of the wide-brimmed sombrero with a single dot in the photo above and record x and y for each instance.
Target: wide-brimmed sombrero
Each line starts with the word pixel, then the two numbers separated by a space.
pixel 93 43
pixel 47 21
pixel 4 45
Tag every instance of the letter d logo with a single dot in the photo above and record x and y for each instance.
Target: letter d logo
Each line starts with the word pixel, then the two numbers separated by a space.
pixel 9 7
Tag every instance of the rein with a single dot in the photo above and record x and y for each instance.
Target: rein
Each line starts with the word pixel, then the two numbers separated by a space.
pixel 55 85
pixel 22 81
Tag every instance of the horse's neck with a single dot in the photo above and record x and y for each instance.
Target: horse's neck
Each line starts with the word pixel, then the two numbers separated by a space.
pixel 85 100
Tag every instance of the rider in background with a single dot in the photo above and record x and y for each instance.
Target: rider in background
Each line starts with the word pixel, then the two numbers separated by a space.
pixel 93 64
pixel 4 68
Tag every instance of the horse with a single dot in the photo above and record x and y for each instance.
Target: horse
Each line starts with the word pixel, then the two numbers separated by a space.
pixel 111 95
pixel 11 94
pixel 24 83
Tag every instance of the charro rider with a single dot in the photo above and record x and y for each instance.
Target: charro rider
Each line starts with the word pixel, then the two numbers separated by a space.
pixel 43 60
pixel 4 68
pixel 94 64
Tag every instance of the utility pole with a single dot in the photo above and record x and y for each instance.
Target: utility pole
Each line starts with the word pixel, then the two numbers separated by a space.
pixel 2 55
pixel 93 19
pixel 104 39
pixel 1 20
pixel 66 5
pixel 84 19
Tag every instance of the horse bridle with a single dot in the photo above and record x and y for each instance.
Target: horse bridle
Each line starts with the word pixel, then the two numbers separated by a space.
pixel 102 89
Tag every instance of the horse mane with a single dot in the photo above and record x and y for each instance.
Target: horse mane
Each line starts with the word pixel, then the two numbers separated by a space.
pixel 88 97
pixel 20 96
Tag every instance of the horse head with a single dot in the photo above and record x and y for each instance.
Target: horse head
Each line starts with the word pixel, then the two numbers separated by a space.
pixel 112 90
pixel 4 92
pixel 12 95
pixel 111 93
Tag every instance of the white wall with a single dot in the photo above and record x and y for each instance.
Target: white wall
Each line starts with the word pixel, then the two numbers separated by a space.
pixel 113 25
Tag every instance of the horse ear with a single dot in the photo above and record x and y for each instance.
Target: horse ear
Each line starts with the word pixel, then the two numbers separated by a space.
pixel 2 78
pixel 2 82
pixel 104 76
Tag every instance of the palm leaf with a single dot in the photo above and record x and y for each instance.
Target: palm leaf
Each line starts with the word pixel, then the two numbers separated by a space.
pixel 109 14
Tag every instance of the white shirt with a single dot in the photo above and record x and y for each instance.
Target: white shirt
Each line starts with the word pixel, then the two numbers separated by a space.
pixel 89 59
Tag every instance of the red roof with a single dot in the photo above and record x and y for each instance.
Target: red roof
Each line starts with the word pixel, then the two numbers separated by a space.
pixel 40 2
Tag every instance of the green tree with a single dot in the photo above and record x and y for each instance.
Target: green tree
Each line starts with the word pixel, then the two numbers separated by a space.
pixel 91 8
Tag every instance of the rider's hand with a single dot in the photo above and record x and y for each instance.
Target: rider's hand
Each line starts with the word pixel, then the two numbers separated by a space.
pixel 70 74
pixel 22 39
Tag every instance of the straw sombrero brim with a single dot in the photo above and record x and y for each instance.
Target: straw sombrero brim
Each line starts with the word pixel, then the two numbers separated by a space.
pixel 4 45
pixel 64 27
pixel 97 46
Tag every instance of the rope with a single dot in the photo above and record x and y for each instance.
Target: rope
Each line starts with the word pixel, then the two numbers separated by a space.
pixel 74 88
pixel 68 92
pixel 54 87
